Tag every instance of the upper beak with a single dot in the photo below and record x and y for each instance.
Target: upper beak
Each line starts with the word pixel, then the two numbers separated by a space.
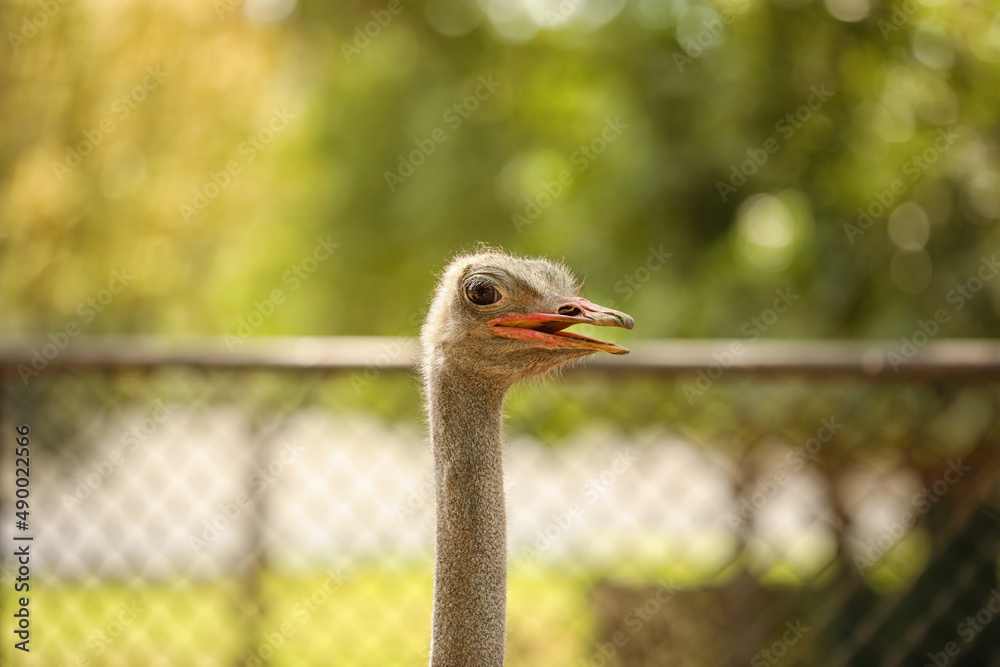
pixel 546 328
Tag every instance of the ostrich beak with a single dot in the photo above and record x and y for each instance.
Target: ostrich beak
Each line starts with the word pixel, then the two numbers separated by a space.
pixel 546 328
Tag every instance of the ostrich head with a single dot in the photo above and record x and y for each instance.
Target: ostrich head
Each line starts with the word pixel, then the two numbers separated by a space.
pixel 503 318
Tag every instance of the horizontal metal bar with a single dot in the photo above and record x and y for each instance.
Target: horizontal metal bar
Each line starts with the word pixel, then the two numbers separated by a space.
pixel 968 358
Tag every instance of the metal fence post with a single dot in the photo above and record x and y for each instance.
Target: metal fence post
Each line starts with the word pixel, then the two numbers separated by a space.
pixel 255 565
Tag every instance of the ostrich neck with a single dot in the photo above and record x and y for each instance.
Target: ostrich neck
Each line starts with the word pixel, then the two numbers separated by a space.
pixel 470 569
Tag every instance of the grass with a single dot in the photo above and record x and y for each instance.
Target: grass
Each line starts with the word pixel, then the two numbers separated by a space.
pixel 378 615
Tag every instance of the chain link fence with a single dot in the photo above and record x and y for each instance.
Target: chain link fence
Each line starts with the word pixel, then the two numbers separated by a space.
pixel 791 506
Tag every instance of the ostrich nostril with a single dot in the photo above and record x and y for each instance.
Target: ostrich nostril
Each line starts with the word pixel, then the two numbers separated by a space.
pixel 570 309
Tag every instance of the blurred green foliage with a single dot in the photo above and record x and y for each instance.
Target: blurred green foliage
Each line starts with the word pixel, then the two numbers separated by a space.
pixel 229 159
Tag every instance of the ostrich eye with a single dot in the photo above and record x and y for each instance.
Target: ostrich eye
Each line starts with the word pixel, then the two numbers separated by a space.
pixel 482 293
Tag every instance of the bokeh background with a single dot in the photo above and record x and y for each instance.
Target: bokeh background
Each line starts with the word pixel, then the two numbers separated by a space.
pixel 238 170
pixel 694 85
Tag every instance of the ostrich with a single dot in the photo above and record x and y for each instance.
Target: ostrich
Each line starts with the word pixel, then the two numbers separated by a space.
pixel 495 319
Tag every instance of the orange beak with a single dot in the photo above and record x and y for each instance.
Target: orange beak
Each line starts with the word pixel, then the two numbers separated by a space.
pixel 547 329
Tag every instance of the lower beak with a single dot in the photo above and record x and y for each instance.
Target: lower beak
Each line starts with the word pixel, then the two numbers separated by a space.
pixel 547 329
